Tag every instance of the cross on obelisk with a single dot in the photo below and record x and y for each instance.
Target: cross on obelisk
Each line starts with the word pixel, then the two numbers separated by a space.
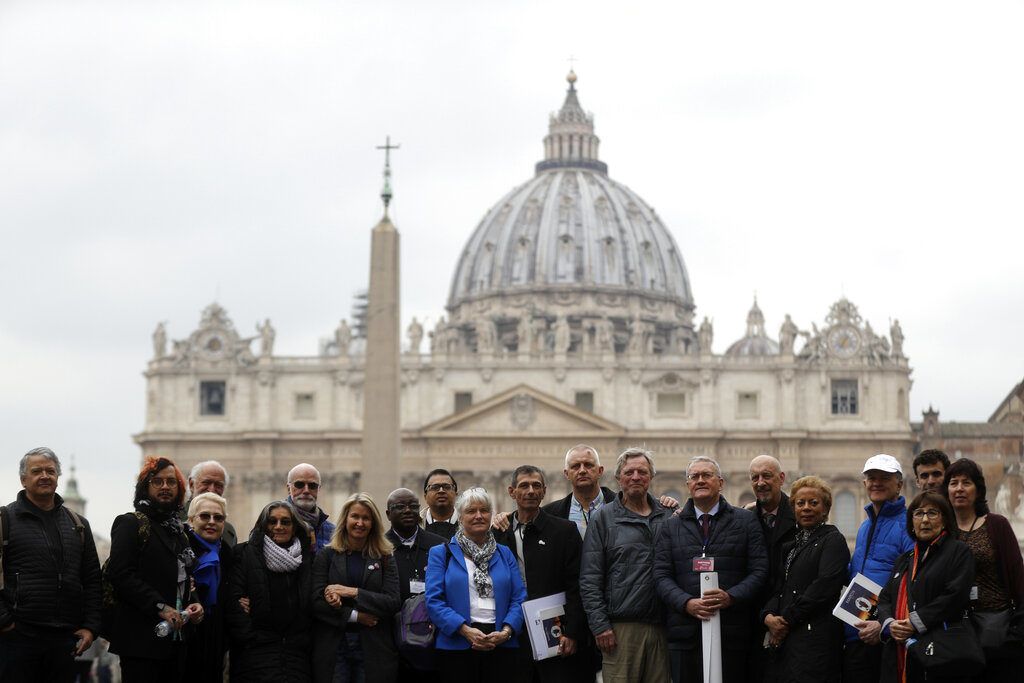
pixel 386 193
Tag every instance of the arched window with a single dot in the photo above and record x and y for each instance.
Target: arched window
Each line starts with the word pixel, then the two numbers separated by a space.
pixel 844 512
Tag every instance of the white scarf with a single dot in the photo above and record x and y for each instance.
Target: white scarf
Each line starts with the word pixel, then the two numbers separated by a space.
pixel 281 560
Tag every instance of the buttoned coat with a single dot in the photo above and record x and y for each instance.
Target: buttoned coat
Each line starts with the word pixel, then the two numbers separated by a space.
pixel 737 545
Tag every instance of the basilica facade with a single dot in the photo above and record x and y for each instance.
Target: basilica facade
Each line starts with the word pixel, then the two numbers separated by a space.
pixel 570 319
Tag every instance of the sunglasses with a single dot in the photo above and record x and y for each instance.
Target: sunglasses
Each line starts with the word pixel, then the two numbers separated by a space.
pixel 279 522
pixel 311 485
pixel 207 516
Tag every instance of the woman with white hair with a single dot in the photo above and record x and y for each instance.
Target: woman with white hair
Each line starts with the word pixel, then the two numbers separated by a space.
pixel 207 517
pixel 474 597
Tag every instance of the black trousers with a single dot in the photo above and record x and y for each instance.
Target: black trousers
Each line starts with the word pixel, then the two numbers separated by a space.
pixel 500 665
pixel 687 665
pixel 141 670
pixel 44 657
pixel 861 662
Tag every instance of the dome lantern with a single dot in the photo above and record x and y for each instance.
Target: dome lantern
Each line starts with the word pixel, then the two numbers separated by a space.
pixel 570 142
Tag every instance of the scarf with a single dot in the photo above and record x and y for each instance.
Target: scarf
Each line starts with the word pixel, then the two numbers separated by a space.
pixel 799 541
pixel 168 519
pixel 481 556
pixel 310 517
pixel 207 571
pixel 903 603
pixel 281 560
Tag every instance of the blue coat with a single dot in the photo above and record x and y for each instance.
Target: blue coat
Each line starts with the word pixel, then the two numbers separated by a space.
pixel 448 594
pixel 888 536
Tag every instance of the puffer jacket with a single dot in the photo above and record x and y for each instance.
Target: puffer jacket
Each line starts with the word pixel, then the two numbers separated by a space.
pixel 617 567
pixel 881 539
pixel 39 590
pixel 741 562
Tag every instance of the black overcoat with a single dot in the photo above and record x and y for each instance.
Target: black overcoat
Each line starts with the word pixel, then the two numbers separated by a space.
pixel 804 597
pixel 207 640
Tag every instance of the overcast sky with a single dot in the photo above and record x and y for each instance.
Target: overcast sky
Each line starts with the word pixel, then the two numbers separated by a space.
pixel 156 156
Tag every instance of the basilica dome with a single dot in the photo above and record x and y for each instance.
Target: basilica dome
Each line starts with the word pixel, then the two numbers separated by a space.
pixel 573 230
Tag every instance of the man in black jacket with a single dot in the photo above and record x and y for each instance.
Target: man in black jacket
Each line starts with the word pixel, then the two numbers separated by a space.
pixel 150 569
pixel 412 546
pixel 548 551
pixel 709 536
pixel 50 597
pixel 778 524
pixel 583 470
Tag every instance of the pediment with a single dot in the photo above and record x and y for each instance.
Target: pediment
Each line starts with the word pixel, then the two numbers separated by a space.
pixel 522 411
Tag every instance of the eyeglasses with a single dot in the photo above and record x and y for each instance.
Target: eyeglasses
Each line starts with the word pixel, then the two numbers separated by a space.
pixel 440 487
pixel 930 514
pixel 160 482
pixel 311 485
pixel 279 522
pixel 215 516
pixel 701 476
pixel 402 507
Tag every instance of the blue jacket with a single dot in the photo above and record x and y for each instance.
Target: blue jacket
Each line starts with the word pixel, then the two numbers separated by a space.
pixel 448 594
pixel 888 538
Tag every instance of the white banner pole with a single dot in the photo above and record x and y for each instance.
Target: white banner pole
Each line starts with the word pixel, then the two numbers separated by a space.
pixel 711 634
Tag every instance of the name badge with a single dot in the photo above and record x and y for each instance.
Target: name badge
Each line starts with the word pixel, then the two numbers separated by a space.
pixel 974 592
pixel 417 587
pixel 703 564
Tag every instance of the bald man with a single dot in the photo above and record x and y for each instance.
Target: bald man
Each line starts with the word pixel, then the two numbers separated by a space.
pixel 303 488
pixel 778 523
pixel 412 545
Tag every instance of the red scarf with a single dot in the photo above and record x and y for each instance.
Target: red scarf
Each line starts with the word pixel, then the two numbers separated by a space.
pixel 903 607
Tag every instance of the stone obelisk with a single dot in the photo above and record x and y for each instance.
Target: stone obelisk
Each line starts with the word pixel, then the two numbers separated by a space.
pixel 382 435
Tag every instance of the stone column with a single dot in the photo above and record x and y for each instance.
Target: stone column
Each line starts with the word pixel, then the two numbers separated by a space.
pixel 381 417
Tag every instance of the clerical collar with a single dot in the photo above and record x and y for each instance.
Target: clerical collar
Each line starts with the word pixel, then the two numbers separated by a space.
pixel 406 541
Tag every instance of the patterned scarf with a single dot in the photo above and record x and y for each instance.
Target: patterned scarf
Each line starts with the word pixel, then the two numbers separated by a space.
pixel 481 556
pixel 168 519
pixel 800 540
pixel 310 517
pixel 282 560
pixel 903 603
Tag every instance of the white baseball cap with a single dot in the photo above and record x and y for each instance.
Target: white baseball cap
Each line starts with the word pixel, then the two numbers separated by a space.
pixel 884 463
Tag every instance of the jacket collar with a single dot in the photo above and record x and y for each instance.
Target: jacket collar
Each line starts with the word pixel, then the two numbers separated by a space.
pixel 690 510
pixel 28 507
pixel 621 510
pixel 890 508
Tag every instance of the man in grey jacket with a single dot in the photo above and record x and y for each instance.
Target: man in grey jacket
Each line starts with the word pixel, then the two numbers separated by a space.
pixel 617 577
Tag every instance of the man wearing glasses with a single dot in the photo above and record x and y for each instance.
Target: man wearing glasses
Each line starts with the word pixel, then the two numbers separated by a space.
pixel 440 489
pixel 709 535
pixel 303 488
pixel 412 546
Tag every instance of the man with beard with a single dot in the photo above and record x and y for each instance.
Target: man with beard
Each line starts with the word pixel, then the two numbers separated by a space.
pixel 930 468
pixel 303 488
pixel 440 489
pixel 778 524
pixel 412 546
pixel 150 570
pixel 547 549
pixel 210 476
pixel 50 585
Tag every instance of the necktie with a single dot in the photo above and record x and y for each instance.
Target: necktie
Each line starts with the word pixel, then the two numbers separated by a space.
pixel 769 520
pixel 705 526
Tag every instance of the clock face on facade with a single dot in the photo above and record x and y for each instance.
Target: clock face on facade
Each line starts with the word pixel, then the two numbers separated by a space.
pixel 843 341
pixel 212 345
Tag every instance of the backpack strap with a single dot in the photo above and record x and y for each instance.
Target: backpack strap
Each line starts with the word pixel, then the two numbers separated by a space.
pixel 79 525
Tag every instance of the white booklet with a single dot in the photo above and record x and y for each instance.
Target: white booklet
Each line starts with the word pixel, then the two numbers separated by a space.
pixel 858 600
pixel 543 618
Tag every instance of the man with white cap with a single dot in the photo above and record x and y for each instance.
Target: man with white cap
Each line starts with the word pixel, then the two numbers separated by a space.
pixel 881 539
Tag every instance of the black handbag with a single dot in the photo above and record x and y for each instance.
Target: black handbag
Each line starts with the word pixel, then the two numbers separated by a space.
pixel 953 648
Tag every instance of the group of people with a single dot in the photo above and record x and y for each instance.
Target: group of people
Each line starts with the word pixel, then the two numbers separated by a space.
pixel 303 598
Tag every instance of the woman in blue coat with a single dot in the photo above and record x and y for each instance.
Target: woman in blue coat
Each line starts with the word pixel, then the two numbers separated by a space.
pixel 474 597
